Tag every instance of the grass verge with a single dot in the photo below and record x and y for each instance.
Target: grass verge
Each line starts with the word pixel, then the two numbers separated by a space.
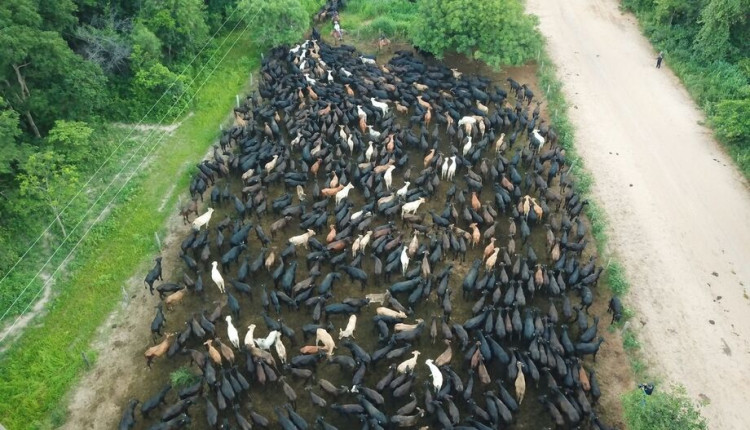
pixel 46 361
pixel 666 408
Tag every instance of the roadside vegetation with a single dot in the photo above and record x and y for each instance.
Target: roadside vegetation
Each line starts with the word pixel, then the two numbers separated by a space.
pixel 706 43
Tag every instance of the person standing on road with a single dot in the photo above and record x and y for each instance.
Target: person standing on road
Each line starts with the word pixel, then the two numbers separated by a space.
pixel 659 59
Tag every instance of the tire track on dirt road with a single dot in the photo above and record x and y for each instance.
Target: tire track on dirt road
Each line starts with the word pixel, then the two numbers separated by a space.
pixel 679 209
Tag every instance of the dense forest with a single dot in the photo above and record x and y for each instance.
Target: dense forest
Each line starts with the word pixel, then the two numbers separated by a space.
pixel 70 66
pixel 707 43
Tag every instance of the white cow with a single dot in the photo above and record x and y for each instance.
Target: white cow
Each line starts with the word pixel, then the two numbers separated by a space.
pixel 302 239
pixel 343 193
pixel 388 312
pixel 267 342
pixel 216 277
pixel 404 260
pixel 411 207
pixel 409 364
pixel 249 340
pixel 388 176
pixel 380 105
pixel 203 219
pixel 452 169
pixel 322 336
pixel 350 326
pixel 437 376
pixel 401 192
pixel 232 333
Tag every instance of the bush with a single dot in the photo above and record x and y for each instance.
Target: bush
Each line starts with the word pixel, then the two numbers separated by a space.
pixel 494 31
pixel 616 279
pixel 149 85
pixel 183 377
pixel 732 120
pixel 662 411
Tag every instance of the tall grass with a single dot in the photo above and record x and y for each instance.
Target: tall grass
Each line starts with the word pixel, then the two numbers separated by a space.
pixel 391 18
pixel 43 364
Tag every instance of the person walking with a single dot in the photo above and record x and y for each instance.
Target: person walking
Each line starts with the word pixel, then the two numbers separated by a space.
pixel 659 59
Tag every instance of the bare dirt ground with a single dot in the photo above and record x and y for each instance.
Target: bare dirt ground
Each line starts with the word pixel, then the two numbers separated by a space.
pixel 678 206
pixel 97 400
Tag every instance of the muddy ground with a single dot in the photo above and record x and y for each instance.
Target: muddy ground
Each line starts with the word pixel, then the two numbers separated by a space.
pixel 120 372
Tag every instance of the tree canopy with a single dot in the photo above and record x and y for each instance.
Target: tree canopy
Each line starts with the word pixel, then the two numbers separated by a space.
pixel 275 23
pixel 494 31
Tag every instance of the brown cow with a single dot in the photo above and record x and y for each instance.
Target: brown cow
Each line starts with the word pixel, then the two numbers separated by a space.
pixel 157 350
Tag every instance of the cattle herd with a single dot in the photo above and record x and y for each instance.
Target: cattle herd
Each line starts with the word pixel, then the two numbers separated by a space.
pixel 339 213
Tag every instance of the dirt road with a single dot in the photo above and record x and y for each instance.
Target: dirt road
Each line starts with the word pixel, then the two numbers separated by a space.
pixel 679 210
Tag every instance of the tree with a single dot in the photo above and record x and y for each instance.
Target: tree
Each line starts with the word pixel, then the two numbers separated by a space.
pixel 179 24
pixel 10 149
pixel 494 31
pixel 146 47
pixel 71 139
pixel 50 183
pixel 732 120
pixel 106 45
pixel 717 18
pixel 274 23
pixel 148 86
pixel 41 78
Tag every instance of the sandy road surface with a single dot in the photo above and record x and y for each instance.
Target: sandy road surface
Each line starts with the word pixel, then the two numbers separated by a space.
pixel 679 210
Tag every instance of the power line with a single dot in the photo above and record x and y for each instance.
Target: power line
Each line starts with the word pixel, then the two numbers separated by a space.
pixel 208 42
pixel 10 329
pixel 123 168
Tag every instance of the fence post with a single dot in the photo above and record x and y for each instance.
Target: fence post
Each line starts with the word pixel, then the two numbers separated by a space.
pixel 237 98
pixel 158 241
pixel 251 79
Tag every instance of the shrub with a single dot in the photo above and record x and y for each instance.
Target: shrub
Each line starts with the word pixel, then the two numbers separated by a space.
pixel 662 410
pixel 183 377
pixel 494 31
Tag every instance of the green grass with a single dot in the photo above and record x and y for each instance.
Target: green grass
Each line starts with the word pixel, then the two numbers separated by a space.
pixel 663 410
pixel 43 364
pixel 183 377
pixel 369 19
pixel 629 342
pixel 616 279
